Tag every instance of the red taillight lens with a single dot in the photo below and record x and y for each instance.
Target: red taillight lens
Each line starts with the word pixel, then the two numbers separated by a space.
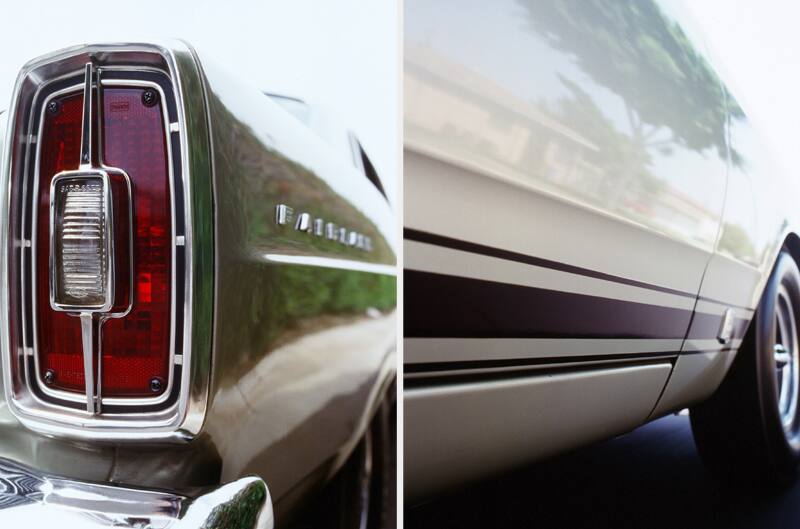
pixel 59 334
pixel 135 347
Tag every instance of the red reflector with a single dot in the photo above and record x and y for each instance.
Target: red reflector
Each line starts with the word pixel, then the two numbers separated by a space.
pixel 135 347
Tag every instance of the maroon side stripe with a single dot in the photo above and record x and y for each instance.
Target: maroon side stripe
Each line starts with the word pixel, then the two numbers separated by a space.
pixel 471 247
pixel 438 305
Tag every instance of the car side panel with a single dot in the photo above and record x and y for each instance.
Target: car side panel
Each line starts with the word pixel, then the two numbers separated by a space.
pixel 758 219
pixel 492 426
pixel 563 196
pixel 527 109
pixel 540 155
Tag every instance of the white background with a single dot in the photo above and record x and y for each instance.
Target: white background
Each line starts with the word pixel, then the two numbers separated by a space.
pixel 342 55
pixel 757 46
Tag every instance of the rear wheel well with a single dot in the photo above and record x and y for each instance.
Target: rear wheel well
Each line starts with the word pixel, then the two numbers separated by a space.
pixel 792 244
pixel 748 431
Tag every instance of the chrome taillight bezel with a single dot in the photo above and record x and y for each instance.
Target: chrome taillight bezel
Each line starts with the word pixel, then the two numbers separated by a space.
pixel 178 413
pixel 122 76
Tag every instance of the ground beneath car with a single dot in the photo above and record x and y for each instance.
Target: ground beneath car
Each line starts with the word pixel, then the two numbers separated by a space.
pixel 649 478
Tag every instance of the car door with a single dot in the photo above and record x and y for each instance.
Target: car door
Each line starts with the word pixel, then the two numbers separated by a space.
pixel 565 167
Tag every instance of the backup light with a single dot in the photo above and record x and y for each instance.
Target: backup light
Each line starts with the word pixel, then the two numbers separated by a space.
pixel 90 242
pixel 81 267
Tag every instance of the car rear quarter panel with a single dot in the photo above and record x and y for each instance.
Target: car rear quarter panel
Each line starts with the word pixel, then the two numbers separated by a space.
pixel 302 353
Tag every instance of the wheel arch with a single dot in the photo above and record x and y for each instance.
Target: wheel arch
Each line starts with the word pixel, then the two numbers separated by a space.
pixel 792 244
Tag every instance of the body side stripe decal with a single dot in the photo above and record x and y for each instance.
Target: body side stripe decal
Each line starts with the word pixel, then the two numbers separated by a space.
pixel 448 306
pixel 466 246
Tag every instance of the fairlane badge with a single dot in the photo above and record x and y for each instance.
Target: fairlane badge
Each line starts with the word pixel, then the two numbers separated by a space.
pixel 285 215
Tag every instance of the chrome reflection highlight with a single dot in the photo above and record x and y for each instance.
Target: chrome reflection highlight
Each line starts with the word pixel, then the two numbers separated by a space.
pixel 326 262
pixel 27 497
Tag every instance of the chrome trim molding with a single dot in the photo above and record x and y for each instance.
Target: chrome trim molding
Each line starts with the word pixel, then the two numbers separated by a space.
pixel 726 327
pixel 29 497
pixel 421 351
pixel 327 262
pixel 136 418
pixel 87 134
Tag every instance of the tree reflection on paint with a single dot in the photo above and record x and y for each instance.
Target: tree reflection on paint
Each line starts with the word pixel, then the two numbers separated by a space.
pixel 269 304
pixel 635 51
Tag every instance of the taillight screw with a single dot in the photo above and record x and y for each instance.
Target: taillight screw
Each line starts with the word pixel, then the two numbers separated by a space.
pixel 54 107
pixel 49 377
pixel 149 98
pixel 155 385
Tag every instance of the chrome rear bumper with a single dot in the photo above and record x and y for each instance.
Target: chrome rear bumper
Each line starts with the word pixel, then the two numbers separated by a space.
pixel 31 499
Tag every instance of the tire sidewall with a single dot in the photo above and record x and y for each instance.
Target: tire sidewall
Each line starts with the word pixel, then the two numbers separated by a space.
pixel 783 453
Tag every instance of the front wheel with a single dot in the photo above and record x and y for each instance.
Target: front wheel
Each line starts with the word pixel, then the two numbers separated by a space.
pixel 748 432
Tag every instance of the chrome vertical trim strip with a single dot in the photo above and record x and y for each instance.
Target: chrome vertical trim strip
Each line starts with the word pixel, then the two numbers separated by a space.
pixel 198 181
pixel 87 123
pixel 87 337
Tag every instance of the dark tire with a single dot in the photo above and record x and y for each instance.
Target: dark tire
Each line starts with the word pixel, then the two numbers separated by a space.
pixel 748 432
pixel 383 492
pixel 362 495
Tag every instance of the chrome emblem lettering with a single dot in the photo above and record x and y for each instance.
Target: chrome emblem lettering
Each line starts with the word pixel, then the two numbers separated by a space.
pixel 318 227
